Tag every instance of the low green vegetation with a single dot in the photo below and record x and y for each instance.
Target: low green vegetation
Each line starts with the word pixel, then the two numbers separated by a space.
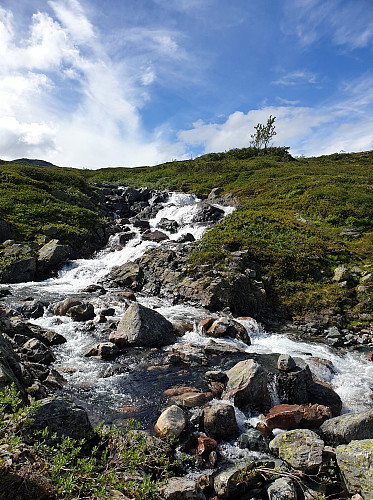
pixel 46 466
pixel 290 216
pixel 289 220
pixel 32 197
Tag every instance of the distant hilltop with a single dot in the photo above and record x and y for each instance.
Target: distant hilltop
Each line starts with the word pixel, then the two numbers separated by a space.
pixel 28 161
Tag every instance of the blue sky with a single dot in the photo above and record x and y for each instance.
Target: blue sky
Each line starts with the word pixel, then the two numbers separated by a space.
pixel 96 83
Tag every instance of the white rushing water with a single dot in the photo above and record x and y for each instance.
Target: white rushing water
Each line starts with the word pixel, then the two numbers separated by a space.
pixel 350 374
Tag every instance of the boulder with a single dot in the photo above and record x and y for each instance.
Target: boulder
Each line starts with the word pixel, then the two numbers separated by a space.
pixel 192 399
pixel 81 312
pixel 61 308
pixel 282 489
pixel 348 427
pixel 206 445
pixel 155 236
pixel 225 327
pixel 186 238
pixel 171 422
pixel 104 350
pixel 168 225
pixel 286 363
pixel 321 393
pixel 208 213
pixel 292 384
pixel 37 352
pixel 33 309
pixel 248 386
pixel 219 421
pixel 301 448
pixel 142 327
pixel 181 488
pixel 253 440
pixel 129 275
pixel 355 462
pixel 52 255
pixel 285 416
pixel 60 415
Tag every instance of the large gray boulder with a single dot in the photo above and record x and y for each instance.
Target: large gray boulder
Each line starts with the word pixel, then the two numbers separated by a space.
pixel 248 386
pixel 355 462
pixel 300 448
pixel 282 489
pixel 52 255
pixel 226 327
pixel 143 327
pixel 348 427
pixel 62 416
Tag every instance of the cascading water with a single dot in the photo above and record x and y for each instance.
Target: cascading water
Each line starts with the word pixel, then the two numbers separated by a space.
pixel 133 384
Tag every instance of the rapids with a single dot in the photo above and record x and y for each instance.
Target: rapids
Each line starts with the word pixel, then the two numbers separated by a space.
pixel 132 385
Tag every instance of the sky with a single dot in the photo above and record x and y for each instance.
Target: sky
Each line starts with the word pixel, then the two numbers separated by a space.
pixel 99 83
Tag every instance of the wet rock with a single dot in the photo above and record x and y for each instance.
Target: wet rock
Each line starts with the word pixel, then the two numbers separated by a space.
pixel 248 386
pixel 142 224
pixel 208 213
pixel 61 308
pixel 321 393
pixel 129 275
pixel 215 348
pixel 37 352
pixel 81 312
pixel 253 440
pixel 282 489
pixel 314 416
pixel 205 324
pixel 168 225
pixel 104 350
pixel 225 327
pixel 171 422
pixel 143 327
pixel 348 427
pixel 355 461
pixel 186 238
pixel 216 376
pixel 62 416
pixel 180 488
pixel 286 363
pixel 100 290
pixel 219 421
pixel 155 236
pixel 33 309
pixel 292 386
pixel 206 445
pixel 301 448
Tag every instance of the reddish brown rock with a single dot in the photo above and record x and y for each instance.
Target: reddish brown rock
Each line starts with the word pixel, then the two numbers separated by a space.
pixel 176 391
pixel 369 356
pixel 314 416
pixel 206 445
pixel 205 324
pixel 284 417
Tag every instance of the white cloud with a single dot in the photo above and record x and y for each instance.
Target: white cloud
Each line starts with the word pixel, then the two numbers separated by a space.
pixel 344 124
pixel 19 139
pixel 101 125
pixel 295 78
pixel 349 24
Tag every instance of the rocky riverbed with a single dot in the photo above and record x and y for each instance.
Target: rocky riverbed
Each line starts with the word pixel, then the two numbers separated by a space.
pixel 135 333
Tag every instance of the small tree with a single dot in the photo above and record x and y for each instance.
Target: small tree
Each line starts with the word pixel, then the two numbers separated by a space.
pixel 263 134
